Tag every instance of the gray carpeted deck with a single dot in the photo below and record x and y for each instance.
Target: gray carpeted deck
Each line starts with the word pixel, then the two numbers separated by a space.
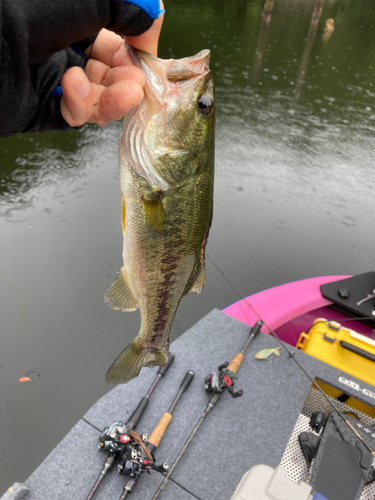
pixel 238 434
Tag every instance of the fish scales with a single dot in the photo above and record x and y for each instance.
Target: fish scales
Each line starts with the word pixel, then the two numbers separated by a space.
pixel 166 267
pixel 166 180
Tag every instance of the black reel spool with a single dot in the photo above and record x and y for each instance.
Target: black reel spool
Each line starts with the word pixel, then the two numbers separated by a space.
pixel 114 439
pixel 221 380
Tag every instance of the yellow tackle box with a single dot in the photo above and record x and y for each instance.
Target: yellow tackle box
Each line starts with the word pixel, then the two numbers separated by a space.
pixel 346 350
pixel 340 347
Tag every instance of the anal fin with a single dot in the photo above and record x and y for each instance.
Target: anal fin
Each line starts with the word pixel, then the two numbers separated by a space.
pixel 119 296
pixel 199 282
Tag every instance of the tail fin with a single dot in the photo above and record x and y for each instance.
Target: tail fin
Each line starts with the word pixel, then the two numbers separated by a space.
pixel 128 365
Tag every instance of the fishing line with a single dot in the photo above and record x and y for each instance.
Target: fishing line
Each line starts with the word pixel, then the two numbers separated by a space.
pixel 92 425
pixel 294 358
pixel 359 318
pixel 110 487
pixel 340 320
pixel 185 489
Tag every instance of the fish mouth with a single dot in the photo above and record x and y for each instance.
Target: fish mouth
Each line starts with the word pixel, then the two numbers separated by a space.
pixel 171 84
pixel 173 70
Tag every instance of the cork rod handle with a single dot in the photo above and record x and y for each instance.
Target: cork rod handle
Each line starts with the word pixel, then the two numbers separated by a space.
pixel 235 363
pixel 160 429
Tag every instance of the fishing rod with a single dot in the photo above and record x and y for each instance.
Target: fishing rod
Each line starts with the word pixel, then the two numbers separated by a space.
pixel 114 438
pixel 138 456
pixel 217 382
pixel 291 355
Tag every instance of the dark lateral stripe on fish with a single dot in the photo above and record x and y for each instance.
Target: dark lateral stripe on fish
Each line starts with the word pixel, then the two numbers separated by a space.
pixel 165 289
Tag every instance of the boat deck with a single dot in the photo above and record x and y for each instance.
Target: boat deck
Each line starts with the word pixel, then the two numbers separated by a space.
pixel 238 434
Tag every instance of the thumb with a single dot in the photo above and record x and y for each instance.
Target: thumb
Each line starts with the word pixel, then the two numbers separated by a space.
pixel 148 41
pixel 79 97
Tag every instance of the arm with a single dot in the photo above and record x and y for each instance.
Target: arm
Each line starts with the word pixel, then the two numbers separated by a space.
pixel 35 54
pixel 112 85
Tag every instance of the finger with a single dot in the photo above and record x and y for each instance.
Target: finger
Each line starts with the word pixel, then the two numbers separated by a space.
pixel 123 73
pixel 79 97
pixel 96 71
pixel 100 73
pixel 115 101
pixel 110 49
pixel 149 40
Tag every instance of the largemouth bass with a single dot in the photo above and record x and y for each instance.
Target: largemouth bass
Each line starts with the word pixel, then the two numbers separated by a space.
pixel 166 178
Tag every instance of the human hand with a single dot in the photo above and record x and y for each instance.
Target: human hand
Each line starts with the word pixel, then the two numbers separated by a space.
pixel 110 85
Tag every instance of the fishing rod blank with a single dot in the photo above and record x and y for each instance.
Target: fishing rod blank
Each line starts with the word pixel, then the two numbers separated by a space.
pixel 114 437
pixel 226 370
pixel 140 457
pixel 134 419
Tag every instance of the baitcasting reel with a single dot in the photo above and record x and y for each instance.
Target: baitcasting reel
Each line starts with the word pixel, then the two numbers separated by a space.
pixel 114 438
pixel 220 380
pixel 136 458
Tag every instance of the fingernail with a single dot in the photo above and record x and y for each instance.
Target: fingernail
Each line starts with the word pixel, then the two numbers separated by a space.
pixel 83 86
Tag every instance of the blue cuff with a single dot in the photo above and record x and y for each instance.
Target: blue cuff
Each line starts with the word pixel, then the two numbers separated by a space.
pixel 151 7
pixel 57 92
pixel 79 51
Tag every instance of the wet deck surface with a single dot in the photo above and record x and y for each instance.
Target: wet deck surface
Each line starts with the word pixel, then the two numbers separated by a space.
pixel 238 434
pixel 294 191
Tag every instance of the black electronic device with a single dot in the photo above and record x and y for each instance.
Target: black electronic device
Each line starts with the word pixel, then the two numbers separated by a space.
pixel 341 464
pixel 353 296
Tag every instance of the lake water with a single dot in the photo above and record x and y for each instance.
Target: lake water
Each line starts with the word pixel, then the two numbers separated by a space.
pixel 294 195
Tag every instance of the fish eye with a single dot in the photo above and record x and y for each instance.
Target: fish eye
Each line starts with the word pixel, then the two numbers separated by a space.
pixel 204 104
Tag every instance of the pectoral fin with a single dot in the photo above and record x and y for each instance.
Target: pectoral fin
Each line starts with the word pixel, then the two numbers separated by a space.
pixel 199 282
pixel 119 296
pixel 154 212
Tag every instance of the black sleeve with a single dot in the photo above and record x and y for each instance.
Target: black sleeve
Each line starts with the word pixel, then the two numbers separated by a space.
pixel 35 51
